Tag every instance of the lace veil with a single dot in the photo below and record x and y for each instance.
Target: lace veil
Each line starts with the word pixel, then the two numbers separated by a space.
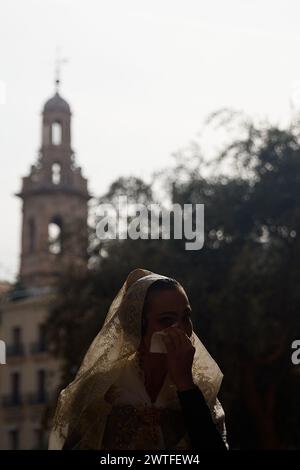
pixel 82 408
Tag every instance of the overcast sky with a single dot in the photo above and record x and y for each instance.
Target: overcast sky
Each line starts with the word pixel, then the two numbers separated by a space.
pixel 142 76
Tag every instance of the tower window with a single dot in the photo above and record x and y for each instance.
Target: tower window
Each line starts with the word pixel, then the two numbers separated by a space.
pixel 32 235
pixel 56 173
pixel 55 236
pixel 56 133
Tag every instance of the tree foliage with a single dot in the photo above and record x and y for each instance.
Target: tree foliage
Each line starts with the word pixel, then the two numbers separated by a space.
pixel 243 285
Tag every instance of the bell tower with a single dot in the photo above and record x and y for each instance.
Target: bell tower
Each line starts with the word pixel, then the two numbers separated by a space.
pixel 55 197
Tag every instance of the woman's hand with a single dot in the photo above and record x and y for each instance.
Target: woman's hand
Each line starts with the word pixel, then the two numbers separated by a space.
pixel 180 355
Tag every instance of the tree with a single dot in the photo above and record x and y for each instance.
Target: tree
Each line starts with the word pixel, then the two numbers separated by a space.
pixel 243 284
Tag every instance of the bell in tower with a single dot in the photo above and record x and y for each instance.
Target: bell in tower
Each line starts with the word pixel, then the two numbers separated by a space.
pixel 55 197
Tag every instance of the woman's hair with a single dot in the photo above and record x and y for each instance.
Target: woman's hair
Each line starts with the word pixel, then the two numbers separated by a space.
pixel 159 285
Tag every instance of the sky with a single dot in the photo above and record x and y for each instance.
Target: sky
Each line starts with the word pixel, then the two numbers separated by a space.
pixel 141 77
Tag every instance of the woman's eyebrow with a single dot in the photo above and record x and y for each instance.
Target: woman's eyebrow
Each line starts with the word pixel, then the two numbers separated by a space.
pixel 167 313
pixel 188 309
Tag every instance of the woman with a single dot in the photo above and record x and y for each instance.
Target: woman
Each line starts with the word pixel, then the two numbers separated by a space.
pixel 126 397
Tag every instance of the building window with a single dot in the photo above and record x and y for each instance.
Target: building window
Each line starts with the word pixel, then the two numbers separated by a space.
pixel 55 236
pixel 41 386
pixel 32 235
pixel 40 345
pixel 16 348
pixel 56 173
pixel 39 439
pixel 16 335
pixel 56 133
pixel 14 438
pixel 15 388
pixel 42 337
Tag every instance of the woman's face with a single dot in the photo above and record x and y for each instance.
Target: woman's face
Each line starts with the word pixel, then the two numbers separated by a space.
pixel 165 308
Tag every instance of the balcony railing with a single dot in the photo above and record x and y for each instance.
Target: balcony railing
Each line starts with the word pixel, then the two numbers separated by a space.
pixel 37 398
pixel 40 397
pixel 38 347
pixel 14 350
pixel 9 401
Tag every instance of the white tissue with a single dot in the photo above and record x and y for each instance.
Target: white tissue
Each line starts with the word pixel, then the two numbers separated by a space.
pixel 157 345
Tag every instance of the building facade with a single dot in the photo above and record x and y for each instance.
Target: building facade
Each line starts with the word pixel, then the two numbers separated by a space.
pixel 54 238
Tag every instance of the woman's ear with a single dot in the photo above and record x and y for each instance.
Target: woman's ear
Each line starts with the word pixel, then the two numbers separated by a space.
pixel 142 346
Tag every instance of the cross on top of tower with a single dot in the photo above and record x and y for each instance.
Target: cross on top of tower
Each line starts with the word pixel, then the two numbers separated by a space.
pixel 56 104
pixel 59 61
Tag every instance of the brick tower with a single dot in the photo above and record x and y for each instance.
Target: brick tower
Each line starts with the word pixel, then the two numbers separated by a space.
pixel 55 196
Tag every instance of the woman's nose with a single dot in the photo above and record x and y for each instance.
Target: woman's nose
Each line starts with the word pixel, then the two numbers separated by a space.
pixel 180 325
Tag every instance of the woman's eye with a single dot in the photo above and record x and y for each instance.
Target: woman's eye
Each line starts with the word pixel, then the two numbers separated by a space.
pixel 167 321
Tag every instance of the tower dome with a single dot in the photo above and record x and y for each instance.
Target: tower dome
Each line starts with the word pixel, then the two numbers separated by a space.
pixel 57 104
